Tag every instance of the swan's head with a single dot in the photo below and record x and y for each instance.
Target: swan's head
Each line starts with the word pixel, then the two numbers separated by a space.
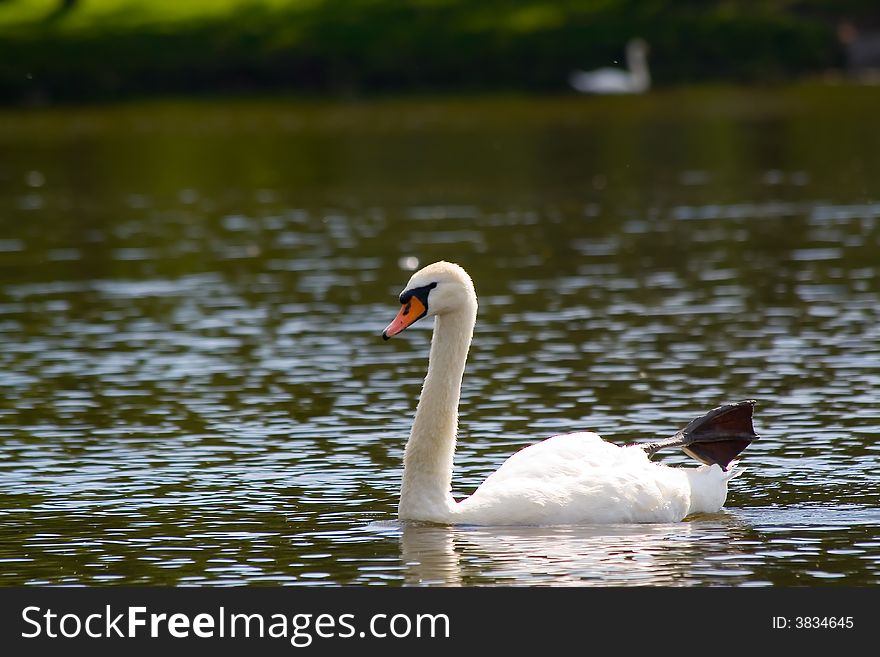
pixel 637 48
pixel 438 289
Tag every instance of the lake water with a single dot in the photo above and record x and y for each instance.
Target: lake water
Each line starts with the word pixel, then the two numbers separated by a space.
pixel 194 391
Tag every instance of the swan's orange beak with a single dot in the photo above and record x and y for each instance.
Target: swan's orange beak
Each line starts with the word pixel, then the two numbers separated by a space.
pixel 410 311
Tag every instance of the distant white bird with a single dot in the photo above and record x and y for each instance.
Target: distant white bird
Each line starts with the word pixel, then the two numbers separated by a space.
pixel 635 80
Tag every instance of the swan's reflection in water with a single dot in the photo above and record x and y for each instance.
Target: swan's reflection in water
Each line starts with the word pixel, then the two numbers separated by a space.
pixel 679 554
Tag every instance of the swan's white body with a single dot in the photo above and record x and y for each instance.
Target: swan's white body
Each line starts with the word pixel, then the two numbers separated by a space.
pixel 635 80
pixel 575 478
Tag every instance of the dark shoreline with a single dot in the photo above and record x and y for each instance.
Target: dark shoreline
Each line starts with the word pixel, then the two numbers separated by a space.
pixel 364 49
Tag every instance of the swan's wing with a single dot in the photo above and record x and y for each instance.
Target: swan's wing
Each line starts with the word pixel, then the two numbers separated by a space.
pixel 577 478
pixel 563 455
pixel 603 80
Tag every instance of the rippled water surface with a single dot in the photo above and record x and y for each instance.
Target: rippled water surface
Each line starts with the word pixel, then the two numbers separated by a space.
pixel 193 389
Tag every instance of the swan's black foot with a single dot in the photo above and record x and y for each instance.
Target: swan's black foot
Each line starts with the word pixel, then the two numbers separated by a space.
pixel 717 437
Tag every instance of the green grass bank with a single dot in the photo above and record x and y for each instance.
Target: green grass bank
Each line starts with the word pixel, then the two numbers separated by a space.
pixel 86 50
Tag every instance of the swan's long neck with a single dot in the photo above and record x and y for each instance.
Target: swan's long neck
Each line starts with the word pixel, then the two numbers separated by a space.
pixel 637 62
pixel 427 462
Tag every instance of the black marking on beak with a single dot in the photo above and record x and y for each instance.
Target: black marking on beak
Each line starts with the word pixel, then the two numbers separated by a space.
pixel 420 292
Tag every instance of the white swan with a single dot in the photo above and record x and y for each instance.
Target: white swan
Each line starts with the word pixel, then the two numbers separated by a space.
pixel 576 478
pixel 635 80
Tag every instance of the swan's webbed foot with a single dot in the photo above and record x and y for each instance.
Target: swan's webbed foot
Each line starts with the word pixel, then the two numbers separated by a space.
pixel 717 437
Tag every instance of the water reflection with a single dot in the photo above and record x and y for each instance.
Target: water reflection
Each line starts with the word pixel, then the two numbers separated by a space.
pixel 726 548
pixel 664 555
